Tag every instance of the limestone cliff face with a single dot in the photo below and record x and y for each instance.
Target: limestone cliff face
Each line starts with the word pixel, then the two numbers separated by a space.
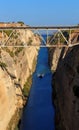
pixel 7 99
pixel 54 55
pixel 16 65
pixel 65 63
pixel 66 94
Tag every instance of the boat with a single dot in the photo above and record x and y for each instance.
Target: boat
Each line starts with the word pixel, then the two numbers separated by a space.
pixel 40 75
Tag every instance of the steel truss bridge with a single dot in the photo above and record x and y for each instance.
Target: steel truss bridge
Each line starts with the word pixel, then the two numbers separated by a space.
pixel 55 31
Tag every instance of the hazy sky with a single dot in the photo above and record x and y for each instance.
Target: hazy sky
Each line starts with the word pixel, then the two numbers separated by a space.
pixel 40 12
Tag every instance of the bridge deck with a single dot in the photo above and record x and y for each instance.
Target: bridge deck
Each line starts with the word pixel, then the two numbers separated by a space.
pixel 43 27
pixel 49 46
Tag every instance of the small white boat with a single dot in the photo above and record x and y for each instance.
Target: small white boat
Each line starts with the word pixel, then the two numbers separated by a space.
pixel 40 75
pixel 42 71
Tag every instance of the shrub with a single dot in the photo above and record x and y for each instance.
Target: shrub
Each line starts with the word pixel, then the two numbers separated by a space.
pixel 30 41
pixel 21 22
pixel 27 85
pixel 11 53
pixel 8 32
pixel 18 50
pixel 3 65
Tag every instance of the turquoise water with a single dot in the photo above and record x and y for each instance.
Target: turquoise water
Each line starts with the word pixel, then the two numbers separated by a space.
pixel 39 112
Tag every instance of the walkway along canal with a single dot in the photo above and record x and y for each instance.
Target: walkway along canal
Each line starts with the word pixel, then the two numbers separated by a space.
pixel 39 112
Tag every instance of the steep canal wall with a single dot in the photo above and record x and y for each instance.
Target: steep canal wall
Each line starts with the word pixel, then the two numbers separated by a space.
pixel 66 90
pixel 15 79
pixel 16 68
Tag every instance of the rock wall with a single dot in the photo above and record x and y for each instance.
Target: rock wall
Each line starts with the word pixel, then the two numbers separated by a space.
pixel 16 65
pixel 14 72
pixel 65 63
pixel 7 99
pixel 54 55
pixel 66 91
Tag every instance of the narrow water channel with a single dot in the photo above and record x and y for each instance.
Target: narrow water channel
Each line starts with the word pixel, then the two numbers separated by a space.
pixel 39 112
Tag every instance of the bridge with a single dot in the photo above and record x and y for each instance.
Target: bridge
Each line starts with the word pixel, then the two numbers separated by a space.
pixel 56 33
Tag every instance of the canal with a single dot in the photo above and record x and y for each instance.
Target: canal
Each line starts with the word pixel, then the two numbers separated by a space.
pixel 39 112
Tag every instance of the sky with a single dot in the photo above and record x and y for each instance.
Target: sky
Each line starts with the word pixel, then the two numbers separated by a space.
pixel 40 12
